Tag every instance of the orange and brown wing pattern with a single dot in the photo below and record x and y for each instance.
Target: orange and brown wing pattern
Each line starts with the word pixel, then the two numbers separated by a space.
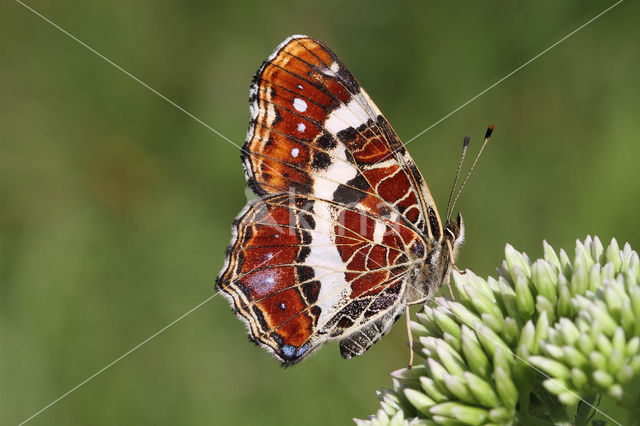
pixel 287 280
pixel 314 130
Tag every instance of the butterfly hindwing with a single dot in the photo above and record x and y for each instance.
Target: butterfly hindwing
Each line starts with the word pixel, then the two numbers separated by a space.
pixel 299 273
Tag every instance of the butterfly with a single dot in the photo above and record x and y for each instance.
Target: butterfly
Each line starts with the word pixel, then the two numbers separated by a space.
pixel 344 234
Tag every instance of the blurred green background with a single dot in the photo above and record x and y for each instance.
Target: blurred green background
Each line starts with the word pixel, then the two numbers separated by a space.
pixel 115 207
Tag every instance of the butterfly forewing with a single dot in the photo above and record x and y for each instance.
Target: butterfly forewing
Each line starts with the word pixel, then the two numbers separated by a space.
pixel 329 248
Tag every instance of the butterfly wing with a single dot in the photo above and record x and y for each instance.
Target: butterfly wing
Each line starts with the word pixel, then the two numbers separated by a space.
pixel 314 130
pixel 332 173
pixel 287 279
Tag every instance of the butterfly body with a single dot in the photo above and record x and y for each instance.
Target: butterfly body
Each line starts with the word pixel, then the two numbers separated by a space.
pixel 345 233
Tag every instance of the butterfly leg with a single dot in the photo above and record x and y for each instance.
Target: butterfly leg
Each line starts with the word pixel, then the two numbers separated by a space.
pixel 407 314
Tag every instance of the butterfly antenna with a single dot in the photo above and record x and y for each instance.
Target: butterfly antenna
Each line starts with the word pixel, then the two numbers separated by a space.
pixel 465 146
pixel 486 139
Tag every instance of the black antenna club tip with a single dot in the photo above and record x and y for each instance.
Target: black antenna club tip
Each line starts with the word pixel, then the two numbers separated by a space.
pixel 489 131
pixel 465 143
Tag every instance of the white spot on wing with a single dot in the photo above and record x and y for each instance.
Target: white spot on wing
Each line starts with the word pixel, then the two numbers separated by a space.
pixel 338 172
pixel 295 152
pixel 262 283
pixel 335 67
pixel 299 86
pixel 350 115
pixel 299 105
pixel 301 127
pixel 378 232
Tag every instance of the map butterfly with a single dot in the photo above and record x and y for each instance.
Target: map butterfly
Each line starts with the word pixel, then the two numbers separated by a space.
pixel 344 234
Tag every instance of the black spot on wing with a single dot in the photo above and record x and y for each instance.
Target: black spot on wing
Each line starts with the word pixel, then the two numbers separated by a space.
pixel 305 273
pixel 321 161
pixel 327 142
pixel 353 192
pixel 311 290
pixel 347 135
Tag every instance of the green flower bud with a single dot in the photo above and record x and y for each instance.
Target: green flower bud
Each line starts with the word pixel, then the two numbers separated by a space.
pixel 579 378
pixel 452 361
pixel 602 378
pixel 432 389
pixel 565 263
pixel 544 278
pixel 543 305
pixel 553 368
pixel 569 398
pixel 553 351
pixel 397 420
pixel 568 330
pixel 482 303
pixel 550 255
pixel 597 250
pixel 583 256
pixel 598 312
pixel 458 387
pixel 616 391
pixel 501 415
pixel 445 322
pixel 555 386
pixel 389 410
pixel 598 361
pixel 437 371
pixel 506 388
pixel 619 342
pixel 418 330
pixel 585 344
pixel 490 340
pixel 482 391
pixel 462 413
pixel 524 298
pixel 508 298
pixel 453 341
pixel 492 322
pixel 574 357
pixel 427 320
pixel 564 307
pixel 604 345
pixel 473 353
pixel 614 256
pixel 579 281
pixel 625 374
pixel 515 258
pixel 420 401
pixel 510 330
pixel 633 346
pixel 460 312
pixel 409 376
pixel 527 339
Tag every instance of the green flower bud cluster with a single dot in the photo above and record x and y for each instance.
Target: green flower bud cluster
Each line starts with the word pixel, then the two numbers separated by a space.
pixel 528 345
